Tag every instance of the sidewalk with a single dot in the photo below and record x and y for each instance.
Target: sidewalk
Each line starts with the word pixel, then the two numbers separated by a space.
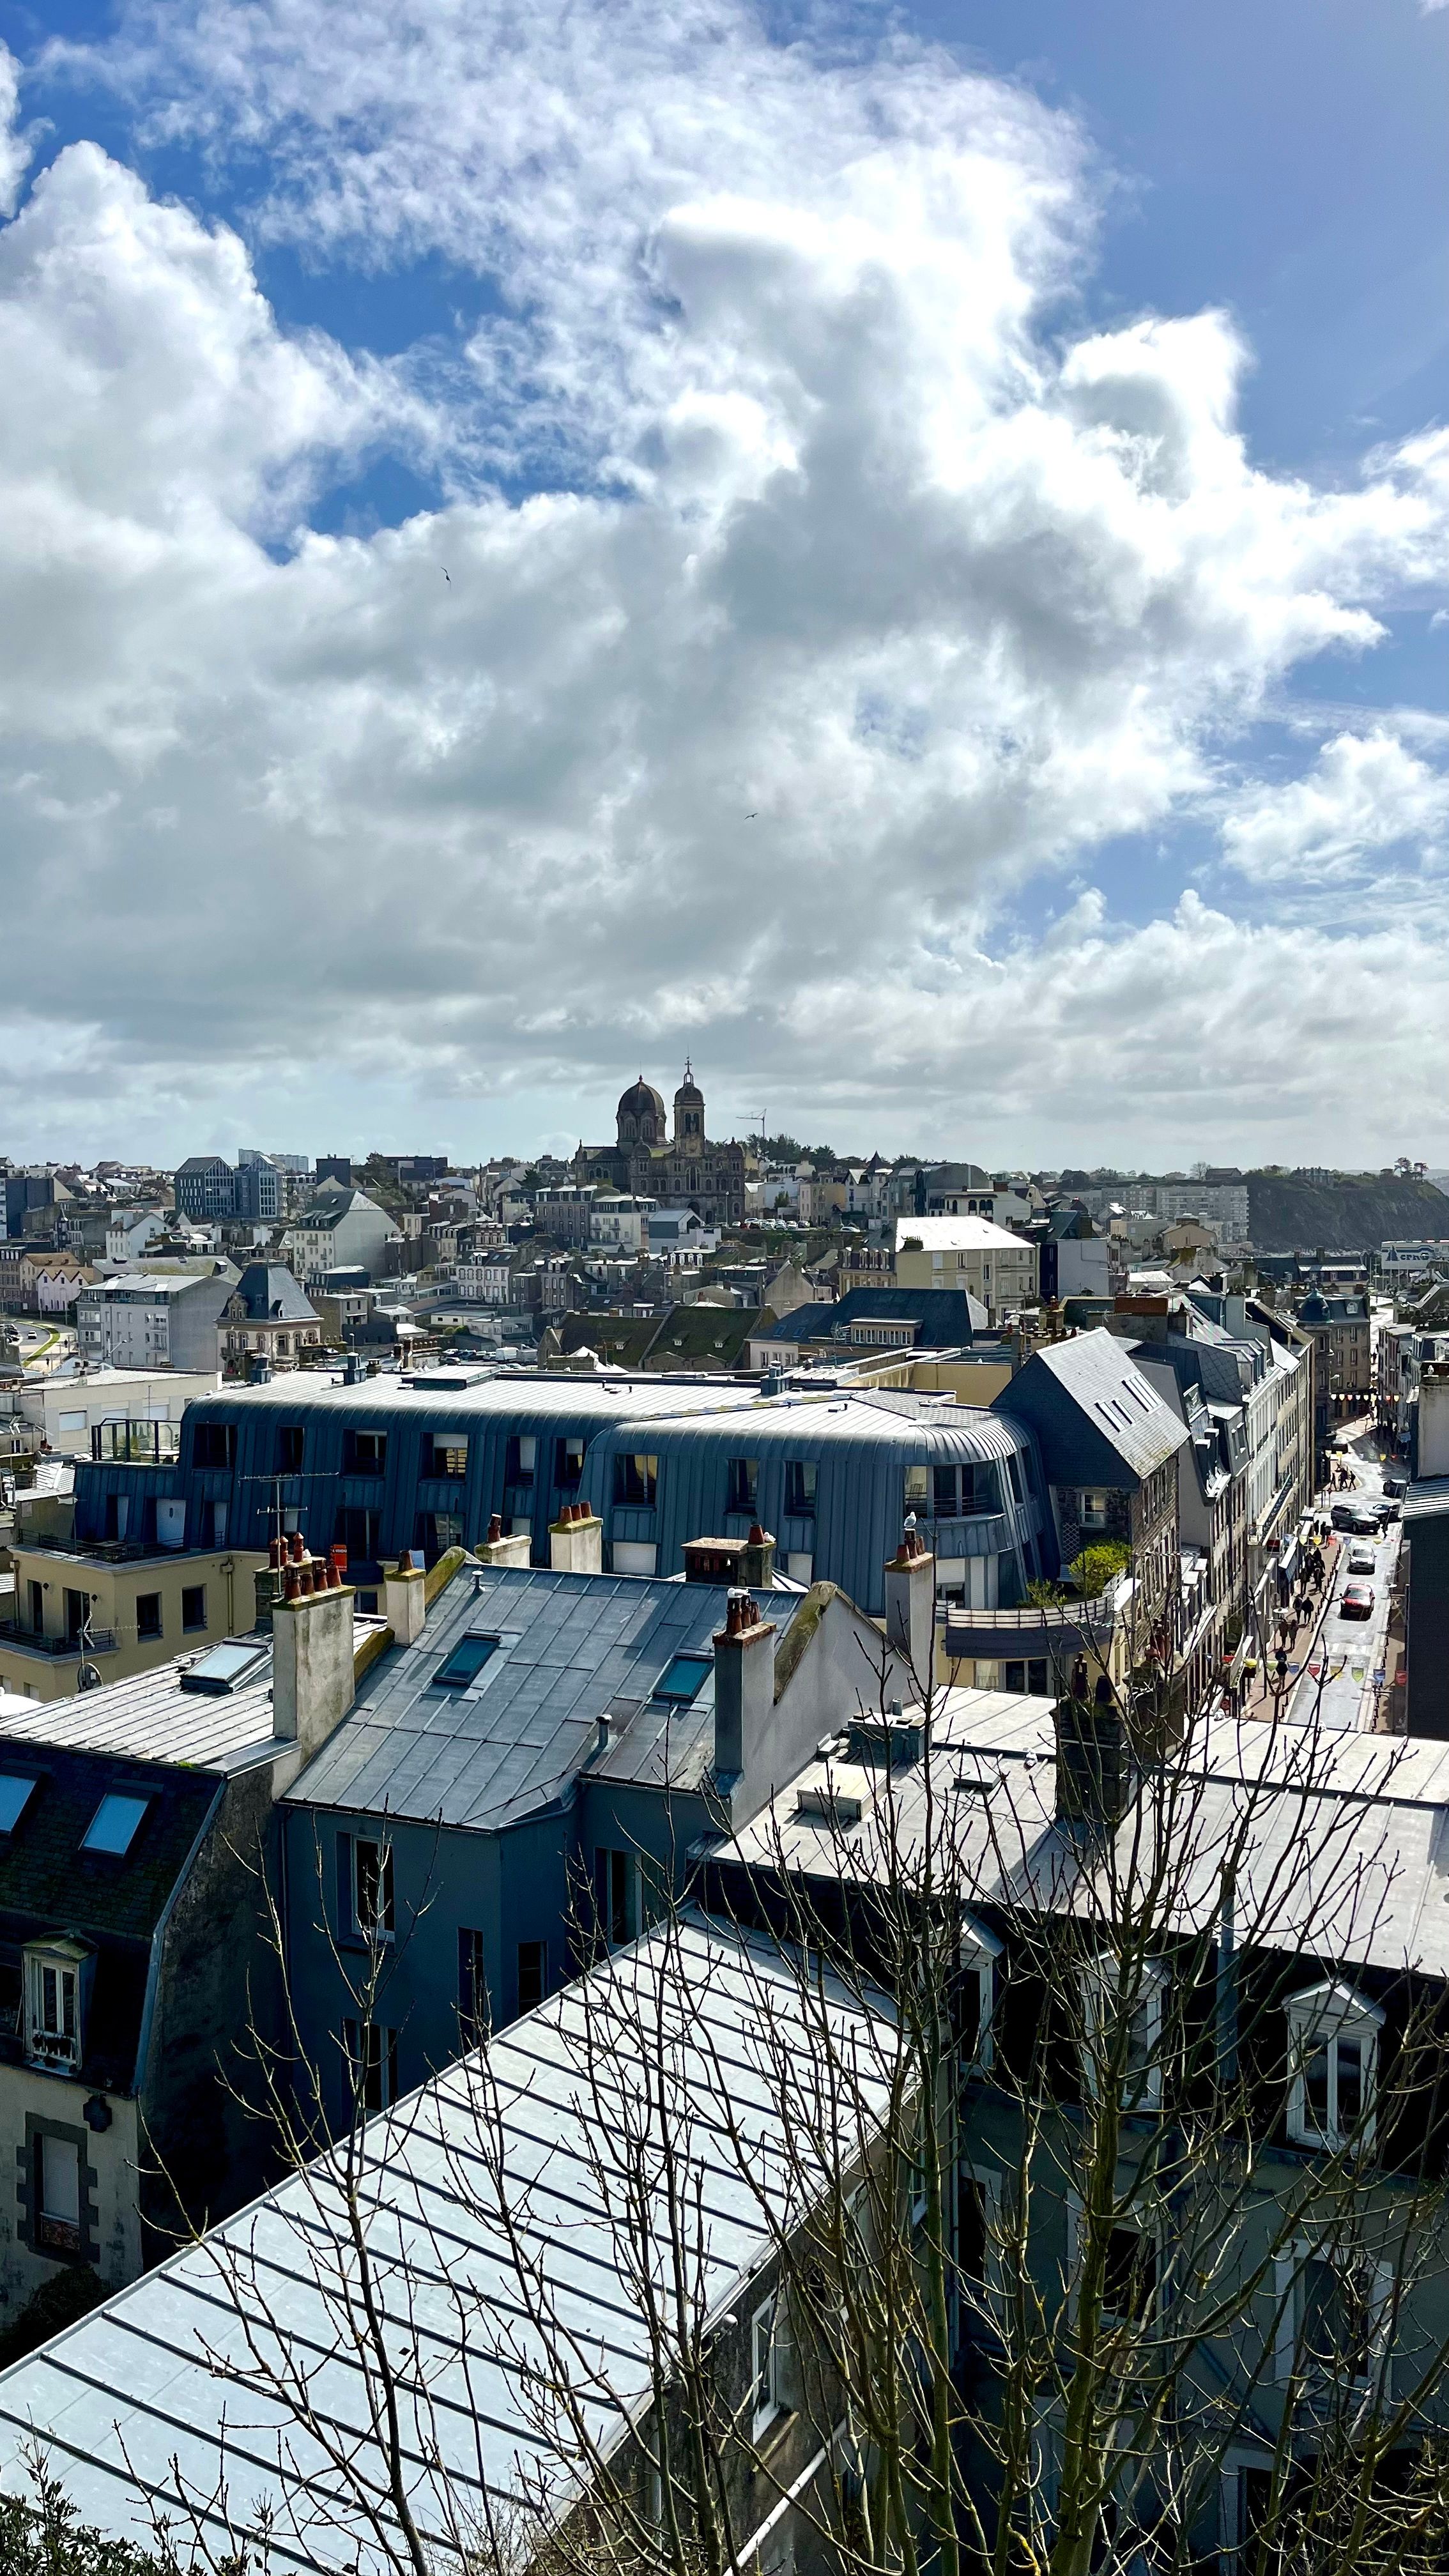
pixel 1262 1692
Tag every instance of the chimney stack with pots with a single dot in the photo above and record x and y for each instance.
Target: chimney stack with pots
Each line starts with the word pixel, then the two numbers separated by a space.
pixel 405 1598
pixel 312 1667
pixel 576 1541
pixel 744 1685
pixel 495 1549
pixel 910 1606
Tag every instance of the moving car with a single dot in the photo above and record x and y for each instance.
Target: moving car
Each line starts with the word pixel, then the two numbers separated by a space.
pixel 1357 1602
pixel 1396 1485
pixel 1360 1559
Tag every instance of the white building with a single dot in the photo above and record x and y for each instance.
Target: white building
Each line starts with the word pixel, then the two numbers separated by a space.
pixel 968 1252
pixel 343 1229
pixel 63 1411
pixel 149 1320
pixel 680 1236
pixel 1401 1262
pixel 131 1229
pixel 619 1222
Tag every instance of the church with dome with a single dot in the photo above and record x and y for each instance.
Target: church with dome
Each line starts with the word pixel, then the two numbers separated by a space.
pixel 679 1170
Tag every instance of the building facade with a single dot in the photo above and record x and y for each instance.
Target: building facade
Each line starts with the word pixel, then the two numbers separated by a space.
pixel 679 1169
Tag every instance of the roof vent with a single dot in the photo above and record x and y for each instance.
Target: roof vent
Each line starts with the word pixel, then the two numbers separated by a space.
pixel 826 1806
pixel 893 1742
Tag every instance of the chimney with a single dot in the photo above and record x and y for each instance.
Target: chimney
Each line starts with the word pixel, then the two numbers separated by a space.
pixel 1094 1766
pixel 910 1605
pixel 744 1684
pixel 495 1549
pixel 405 1599
pixel 312 1674
pixel 757 1560
pixel 576 1541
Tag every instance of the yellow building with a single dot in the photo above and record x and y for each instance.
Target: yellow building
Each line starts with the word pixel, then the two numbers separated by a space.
pixel 969 1252
pixel 117 1610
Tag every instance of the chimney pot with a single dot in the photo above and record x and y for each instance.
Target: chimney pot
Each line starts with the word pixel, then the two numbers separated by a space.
pixel 274 1554
pixel 291 1584
pixel 294 1546
pixel 495 1529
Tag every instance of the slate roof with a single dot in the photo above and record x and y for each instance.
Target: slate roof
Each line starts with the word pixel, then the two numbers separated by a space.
pixel 573 1648
pixel 1112 1401
pixel 157 2380
pixel 948 1317
pixel 271 1293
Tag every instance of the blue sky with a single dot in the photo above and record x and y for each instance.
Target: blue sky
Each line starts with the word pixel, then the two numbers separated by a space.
pixel 547 540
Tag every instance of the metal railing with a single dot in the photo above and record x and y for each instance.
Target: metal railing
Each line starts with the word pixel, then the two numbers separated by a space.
pixel 98 1641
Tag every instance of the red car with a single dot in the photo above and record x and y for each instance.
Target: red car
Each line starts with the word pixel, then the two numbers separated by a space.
pixel 1357 1602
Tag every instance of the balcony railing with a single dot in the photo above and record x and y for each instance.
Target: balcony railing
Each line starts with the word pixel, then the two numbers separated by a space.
pixel 100 1641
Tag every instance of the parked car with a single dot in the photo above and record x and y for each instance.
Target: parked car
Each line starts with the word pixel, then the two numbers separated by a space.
pixel 1396 1485
pixel 1344 1515
pixel 1357 1602
pixel 1361 1559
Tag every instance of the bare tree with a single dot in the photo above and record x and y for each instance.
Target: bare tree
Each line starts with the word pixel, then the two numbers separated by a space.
pixel 927 2202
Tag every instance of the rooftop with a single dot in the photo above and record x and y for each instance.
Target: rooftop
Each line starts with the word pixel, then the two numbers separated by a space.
pixel 157 2382
pixel 956 1234
pixel 550 1654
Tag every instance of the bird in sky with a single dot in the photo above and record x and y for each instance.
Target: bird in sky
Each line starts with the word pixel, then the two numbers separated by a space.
pixel 752 818
pixel 447 576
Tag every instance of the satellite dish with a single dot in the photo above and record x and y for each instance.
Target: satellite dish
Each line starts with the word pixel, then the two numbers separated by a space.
pixel 90 1677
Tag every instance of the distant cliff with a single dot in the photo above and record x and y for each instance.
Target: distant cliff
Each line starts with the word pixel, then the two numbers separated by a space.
pixel 1350 1213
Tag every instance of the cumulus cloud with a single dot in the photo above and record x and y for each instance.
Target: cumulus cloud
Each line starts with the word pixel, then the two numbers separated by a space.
pixel 1366 794
pixel 835 524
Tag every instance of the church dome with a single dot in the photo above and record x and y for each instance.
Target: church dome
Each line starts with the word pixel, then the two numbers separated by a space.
pixel 641 1114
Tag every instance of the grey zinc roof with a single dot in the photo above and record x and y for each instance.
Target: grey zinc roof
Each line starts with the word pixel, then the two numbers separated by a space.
pixel 149 2404
pixel 573 1648
pixel 150 1718
pixel 1340 1847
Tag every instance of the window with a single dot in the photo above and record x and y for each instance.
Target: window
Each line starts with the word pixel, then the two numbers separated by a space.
pixel 193 1607
pixel 214 1444
pixel 52 2008
pixel 291 1442
pixel 1129 2277
pixel 1092 1511
pixel 801 1476
pixel 744 1484
pixel 14 1792
pixel 1122 2020
pixel 684 1677
pixel 35 1595
pixel 764 2369
pixel 57 2194
pixel 1029 1678
pixel 532 1973
pixel 364 1453
pixel 918 1488
pixel 974 2013
pixel 614 1894
pixel 569 1462
pixel 371 2054
pixel 449 1455
pixel 372 1896
pixel 357 1531
pixel 1334 2314
pixel 148 1615
pixel 520 1459
pixel 636 1479
pixel 114 1825
pixel 472 1987
pixel 1333 2045
pixel 77 1612
pixel 465 1662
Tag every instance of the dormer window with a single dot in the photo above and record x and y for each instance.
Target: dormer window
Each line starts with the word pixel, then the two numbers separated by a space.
pixel 54 2003
pixel 1123 2010
pixel 115 1824
pixel 1333 2056
pixel 980 1955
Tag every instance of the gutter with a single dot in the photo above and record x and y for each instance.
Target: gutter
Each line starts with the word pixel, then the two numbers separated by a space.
pixel 748 2551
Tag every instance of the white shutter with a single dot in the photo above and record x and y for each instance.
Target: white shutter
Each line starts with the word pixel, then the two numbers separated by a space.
pixel 1286 2269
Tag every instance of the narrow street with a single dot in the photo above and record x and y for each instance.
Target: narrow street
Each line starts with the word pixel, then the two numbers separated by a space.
pixel 1342 1672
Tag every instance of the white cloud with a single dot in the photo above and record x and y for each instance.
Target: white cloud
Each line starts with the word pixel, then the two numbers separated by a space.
pixel 838 535
pixel 15 149
pixel 1366 794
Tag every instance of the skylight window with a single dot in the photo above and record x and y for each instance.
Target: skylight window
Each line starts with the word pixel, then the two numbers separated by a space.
pixel 114 1825
pixel 13 1794
pixel 683 1678
pixel 465 1662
